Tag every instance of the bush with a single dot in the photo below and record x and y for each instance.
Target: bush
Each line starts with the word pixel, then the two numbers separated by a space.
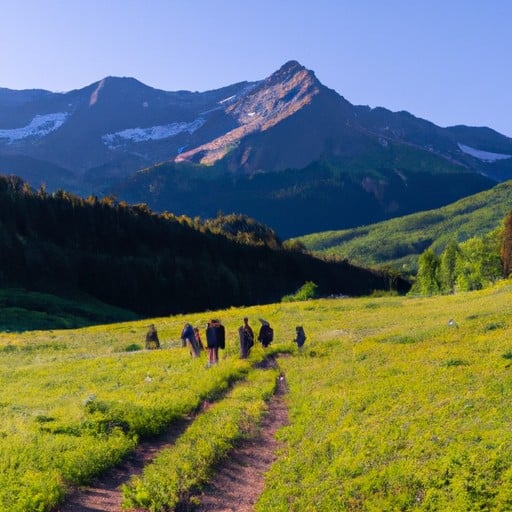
pixel 133 347
pixel 307 291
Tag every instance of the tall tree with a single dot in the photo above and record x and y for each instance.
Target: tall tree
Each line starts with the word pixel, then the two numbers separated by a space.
pixel 447 264
pixel 506 245
pixel 478 262
pixel 427 282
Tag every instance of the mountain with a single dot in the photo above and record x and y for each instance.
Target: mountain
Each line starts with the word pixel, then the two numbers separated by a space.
pixel 286 150
pixel 302 159
pixel 397 243
pixel 103 132
pixel 291 120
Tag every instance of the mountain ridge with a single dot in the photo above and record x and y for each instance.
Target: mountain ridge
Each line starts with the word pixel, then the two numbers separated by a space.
pixel 98 140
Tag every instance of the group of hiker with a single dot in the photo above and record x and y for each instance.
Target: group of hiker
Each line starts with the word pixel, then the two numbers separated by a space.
pixel 216 338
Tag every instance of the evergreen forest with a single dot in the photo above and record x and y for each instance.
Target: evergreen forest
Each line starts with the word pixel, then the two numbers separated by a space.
pixel 156 264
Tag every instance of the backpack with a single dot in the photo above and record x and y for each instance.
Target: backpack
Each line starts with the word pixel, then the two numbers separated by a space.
pixel 220 334
pixel 266 334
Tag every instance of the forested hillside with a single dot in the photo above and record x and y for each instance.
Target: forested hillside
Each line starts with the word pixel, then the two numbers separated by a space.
pixel 151 264
pixel 399 242
pixel 321 196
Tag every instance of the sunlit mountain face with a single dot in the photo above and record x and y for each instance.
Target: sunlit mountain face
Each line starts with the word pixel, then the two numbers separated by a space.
pixel 287 150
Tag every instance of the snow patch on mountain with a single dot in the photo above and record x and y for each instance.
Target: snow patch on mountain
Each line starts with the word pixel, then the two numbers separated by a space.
pixel 485 156
pixel 228 100
pixel 40 126
pixel 241 94
pixel 114 140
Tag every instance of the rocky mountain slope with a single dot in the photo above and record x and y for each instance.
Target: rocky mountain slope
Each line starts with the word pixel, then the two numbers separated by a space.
pixel 287 150
pixel 88 138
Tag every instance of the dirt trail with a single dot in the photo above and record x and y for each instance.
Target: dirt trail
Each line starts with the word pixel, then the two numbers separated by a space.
pixel 104 495
pixel 237 484
pixel 239 481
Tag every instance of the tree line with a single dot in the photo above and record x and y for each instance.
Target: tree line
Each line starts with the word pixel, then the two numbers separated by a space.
pixel 156 264
pixel 470 265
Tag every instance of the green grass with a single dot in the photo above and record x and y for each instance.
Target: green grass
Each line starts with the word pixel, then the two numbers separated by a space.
pixel 391 408
pixel 75 403
pixel 182 469
pixel 399 242
pixel 24 310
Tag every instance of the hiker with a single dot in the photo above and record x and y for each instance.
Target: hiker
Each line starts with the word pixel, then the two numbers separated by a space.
pixel 189 339
pixel 152 340
pixel 300 336
pixel 199 341
pixel 215 339
pixel 266 335
pixel 246 336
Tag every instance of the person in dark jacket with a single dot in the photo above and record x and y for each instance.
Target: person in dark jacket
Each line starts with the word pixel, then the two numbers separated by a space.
pixel 266 334
pixel 189 339
pixel 246 336
pixel 215 339
pixel 152 340
pixel 300 336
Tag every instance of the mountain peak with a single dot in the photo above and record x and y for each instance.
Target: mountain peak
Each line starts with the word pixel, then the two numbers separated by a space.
pixel 276 98
pixel 292 66
pixel 125 83
pixel 116 85
pixel 289 70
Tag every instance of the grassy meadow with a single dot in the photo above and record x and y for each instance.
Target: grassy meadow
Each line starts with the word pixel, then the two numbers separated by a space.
pixel 392 407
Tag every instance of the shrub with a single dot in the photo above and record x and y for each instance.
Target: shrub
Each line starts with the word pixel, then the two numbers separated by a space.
pixel 133 347
pixel 307 291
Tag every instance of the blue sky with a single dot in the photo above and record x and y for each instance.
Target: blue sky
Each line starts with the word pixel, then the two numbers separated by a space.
pixel 446 61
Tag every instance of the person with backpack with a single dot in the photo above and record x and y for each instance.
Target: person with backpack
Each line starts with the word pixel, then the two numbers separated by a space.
pixel 152 340
pixel 215 339
pixel 266 335
pixel 188 338
pixel 246 335
pixel 199 341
